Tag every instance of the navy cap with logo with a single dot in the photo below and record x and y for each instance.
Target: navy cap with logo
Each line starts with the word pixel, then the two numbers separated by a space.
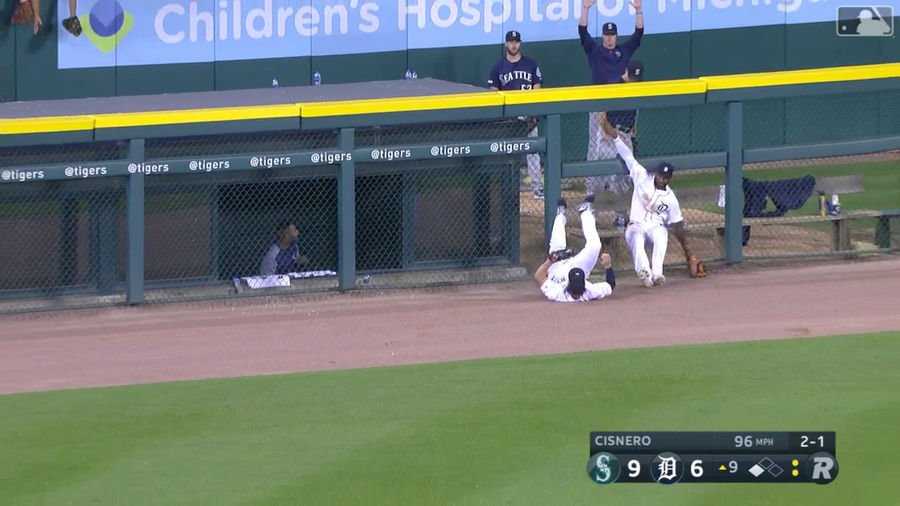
pixel 666 169
pixel 576 282
pixel 610 29
pixel 636 70
pixel 513 35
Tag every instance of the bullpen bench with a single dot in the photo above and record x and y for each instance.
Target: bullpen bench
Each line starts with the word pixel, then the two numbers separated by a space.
pixel 841 223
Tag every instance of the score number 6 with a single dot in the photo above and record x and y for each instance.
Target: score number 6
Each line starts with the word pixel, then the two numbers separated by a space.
pixel 697 468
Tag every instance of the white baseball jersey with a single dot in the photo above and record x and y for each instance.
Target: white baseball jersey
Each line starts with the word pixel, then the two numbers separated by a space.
pixel 649 205
pixel 556 291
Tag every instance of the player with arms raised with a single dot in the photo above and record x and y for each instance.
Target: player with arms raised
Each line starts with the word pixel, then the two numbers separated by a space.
pixel 654 209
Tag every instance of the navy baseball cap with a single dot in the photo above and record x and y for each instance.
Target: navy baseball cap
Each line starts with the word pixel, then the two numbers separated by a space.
pixel 576 282
pixel 636 70
pixel 610 29
pixel 666 169
pixel 513 35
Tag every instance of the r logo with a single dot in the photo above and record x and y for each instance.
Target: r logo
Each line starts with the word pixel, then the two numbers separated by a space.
pixel 822 468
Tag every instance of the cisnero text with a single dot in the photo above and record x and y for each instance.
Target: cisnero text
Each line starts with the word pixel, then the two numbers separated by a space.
pixel 622 440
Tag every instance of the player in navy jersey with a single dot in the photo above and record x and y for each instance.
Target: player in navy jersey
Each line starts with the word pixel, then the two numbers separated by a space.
pixel 608 62
pixel 516 71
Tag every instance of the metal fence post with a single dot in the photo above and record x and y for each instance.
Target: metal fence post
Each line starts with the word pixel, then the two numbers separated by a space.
pixel 553 171
pixel 734 186
pixel 346 201
pixel 134 227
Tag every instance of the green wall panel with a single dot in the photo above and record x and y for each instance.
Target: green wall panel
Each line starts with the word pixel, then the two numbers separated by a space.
pixel 357 68
pixel 664 131
pixel 707 128
pixel 764 122
pixel 153 79
pixel 469 65
pixel 889 112
pixel 7 53
pixel 737 50
pixel 835 118
pixel 247 74
pixel 815 45
pixel 28 62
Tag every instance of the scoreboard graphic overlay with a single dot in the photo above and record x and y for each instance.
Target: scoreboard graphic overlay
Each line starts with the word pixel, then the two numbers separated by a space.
pixel 712 457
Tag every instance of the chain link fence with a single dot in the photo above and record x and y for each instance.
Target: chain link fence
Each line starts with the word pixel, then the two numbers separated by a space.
pixel 430 208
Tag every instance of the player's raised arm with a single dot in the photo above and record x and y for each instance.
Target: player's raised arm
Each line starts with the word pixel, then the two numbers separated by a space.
pixel 634 41
pixel 635 169
pixel 587 42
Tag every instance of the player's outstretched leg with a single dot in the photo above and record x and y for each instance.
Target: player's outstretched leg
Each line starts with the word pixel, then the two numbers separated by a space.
pixel 660 238
pixel 586 259
pixel 634 238
pixel 558 232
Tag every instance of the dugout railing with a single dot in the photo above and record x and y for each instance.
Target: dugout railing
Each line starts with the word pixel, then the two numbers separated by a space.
pixel 113 208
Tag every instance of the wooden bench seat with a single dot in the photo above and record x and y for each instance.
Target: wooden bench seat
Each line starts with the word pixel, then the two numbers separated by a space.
pixel 841 222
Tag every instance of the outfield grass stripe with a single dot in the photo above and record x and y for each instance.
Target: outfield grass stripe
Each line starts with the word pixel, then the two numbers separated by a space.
pixel 476 432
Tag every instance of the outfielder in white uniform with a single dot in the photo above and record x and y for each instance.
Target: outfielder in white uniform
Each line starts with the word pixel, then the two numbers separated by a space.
pixel 562 276
pixel 654 209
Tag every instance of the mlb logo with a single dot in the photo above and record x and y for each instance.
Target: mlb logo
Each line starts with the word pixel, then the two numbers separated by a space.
pixel 865 21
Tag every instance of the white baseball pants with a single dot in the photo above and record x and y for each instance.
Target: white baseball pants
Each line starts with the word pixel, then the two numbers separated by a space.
pixel 586 259
pixel 636 236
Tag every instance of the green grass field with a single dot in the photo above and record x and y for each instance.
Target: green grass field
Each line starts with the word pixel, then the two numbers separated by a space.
pixel 507 431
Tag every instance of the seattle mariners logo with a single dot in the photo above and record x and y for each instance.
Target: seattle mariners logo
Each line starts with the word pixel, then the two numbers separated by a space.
pixel 604 468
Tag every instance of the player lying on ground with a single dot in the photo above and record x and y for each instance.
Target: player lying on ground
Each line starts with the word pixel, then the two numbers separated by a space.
pixel 654 209
pixel 562 275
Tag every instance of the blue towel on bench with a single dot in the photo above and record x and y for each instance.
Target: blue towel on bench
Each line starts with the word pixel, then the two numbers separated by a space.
pixel 786 194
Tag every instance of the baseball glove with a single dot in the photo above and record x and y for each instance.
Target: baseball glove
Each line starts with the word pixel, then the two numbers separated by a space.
pixel 23 13
pixel 561 254
pixel 72 25
pixel 697 267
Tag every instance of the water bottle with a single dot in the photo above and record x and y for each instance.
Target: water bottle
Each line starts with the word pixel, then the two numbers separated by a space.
pixel 414 75
pixel 367 279
pixel 274 82
pixel 620 221
pixel 835 203
pixel 317 78
pixel 409 75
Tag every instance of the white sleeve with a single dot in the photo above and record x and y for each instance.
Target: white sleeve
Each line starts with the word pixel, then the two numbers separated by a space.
pixel 554 291
pixel 269 263
pixel 674 213
pixel 596 290
pixel 637 171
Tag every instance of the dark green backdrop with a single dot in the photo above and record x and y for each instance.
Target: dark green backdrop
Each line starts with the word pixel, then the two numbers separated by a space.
pixel 28 72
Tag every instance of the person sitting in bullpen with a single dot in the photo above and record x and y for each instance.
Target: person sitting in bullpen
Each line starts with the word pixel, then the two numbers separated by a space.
pixel 283 255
